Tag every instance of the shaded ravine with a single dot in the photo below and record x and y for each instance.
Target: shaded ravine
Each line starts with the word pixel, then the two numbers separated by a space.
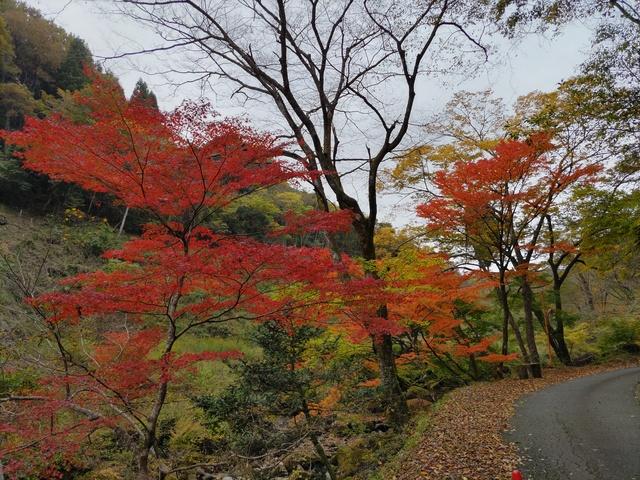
pixel 587 429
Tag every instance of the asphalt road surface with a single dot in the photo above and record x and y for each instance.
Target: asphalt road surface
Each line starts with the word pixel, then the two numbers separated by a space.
pixel 584 429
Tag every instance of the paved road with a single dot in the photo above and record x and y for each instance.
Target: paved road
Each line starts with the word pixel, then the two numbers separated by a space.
pixel 584 429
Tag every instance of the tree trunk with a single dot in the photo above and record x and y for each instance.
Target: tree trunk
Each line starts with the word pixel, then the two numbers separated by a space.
pixel 558 333
pixel 314 438
pixel 586 290
pixel 393 398
pixel 143 464
pixel 562 350
pixel 527 299
pixel 556 337
pixel 521 345
pixel 508 319
pixel 505 333
pixel 473 367
pixel 124 219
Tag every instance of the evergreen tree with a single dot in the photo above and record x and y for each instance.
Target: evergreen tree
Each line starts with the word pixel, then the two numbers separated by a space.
pixel 142 93
pixel 70 76
pixel 8 68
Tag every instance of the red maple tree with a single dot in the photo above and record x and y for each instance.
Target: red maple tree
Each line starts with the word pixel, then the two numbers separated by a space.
pixel 492 211
pixel 115 330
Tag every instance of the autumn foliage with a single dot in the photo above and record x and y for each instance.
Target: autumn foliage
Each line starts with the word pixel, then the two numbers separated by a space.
pixel 179 168
pixel 505 195
pixel 115 332
pixel 497 213
pixel 434 302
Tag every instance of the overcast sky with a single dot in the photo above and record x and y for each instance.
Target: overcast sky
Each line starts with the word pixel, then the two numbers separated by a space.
pixel 535 64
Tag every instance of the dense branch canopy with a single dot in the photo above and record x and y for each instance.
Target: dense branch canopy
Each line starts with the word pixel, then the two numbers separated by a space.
pixel 341 74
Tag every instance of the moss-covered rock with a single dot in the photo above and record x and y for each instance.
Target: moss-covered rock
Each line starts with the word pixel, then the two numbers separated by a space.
pixel 103 474
pixel 351 457
pixel 418 392
pixel 293 461
pixel 299 475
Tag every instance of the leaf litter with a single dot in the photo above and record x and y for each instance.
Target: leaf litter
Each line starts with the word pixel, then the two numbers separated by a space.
pixel 465 439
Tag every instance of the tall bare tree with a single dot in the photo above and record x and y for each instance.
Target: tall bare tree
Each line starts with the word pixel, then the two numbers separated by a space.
pixel 343 78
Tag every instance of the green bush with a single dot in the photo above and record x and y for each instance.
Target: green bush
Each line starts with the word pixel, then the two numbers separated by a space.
pixel 11 381
pixel 94 235
pixel 581 339
pixel 619 335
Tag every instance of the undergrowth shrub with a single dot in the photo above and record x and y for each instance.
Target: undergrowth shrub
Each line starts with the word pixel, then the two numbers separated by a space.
pixel 620 335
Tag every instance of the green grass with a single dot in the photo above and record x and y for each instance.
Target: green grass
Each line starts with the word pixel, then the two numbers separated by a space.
pixel 199 344
pixel 213 377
